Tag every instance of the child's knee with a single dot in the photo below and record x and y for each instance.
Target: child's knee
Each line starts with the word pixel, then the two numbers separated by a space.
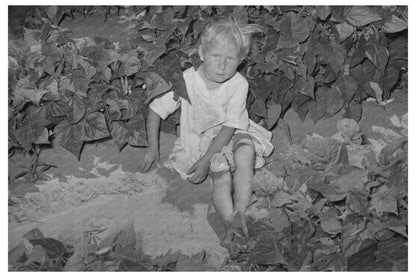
pixel 243 152
pixel 218 175
pixel 243 141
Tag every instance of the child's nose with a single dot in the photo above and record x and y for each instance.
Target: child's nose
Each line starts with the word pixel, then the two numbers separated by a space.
pixel 222 64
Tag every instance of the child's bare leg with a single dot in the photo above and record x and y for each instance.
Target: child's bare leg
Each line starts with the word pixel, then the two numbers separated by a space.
pixel 244 172
pixel 222 200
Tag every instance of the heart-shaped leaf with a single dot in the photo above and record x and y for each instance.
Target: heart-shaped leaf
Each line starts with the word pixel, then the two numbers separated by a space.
pixel 348 127
pixel 51 85
pixel 258 108
pixel 133 133
pixel 281 86
pixel 265 182
pixel 323 12
pixel 156 86
pixel 273 113
pixel 78 109
pixel 286 129
pixel 267 252
pixel 279 220
pixel 163 20
pixel 378 55
pixel 285 27
pixel 120 134
pixel 377 91
pixel 282 198
pixel 351 243
pixel 357 201
pixel 130 64
pixel 338 55
pixel 308 87
pixel 331 192
pixel 194 263
pixel 32 133
pixel 359 53
pixel 170 70
pixel 347 86
pixel 80 81
pixel 329 221
pixel 54 248
pixel 57 109
pixel 94 127
pixel 32 38
pixel 69 136
pixel 138 125
pixel 89 69
pixel 398 51
pixel 26 88
pixel 384 201
pixel 300 30
pixel 151 51
pixel 65 83
pixel 113 109
pixel 126 238
pixel 391 77
pixel 333 101
pixel 354 111
pixel 361 15
pixel 394 25
pixel 37 255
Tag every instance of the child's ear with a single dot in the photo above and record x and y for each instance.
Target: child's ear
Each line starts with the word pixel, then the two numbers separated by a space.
pixel 200 53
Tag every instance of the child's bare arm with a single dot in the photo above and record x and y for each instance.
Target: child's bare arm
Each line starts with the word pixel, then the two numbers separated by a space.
pixel 152 152
pixel 201 167
pixel 222 139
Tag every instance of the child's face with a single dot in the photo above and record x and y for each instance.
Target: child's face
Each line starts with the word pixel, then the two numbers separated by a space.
pixel 220 61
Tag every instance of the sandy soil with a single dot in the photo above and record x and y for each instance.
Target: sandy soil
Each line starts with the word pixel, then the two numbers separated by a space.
pixel 168 213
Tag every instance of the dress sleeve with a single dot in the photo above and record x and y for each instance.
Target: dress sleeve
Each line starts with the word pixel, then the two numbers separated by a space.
pixel 236 112
pixel 164 105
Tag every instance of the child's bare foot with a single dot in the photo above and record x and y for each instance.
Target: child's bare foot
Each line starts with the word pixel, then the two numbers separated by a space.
pixel 239 221
pixel 226 242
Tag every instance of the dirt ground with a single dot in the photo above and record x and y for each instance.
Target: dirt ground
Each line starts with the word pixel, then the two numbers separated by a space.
pixel 105 190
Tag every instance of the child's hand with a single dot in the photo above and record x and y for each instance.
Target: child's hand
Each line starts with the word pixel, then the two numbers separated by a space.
pixel 200 170
pixel 151 157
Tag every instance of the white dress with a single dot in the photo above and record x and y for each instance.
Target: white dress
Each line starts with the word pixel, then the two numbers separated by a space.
pixel 201 121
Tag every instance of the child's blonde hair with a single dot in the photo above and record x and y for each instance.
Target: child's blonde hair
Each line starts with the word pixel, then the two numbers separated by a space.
pixel 233 31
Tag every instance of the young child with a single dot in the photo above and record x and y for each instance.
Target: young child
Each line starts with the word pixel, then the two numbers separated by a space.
pixel 216 136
